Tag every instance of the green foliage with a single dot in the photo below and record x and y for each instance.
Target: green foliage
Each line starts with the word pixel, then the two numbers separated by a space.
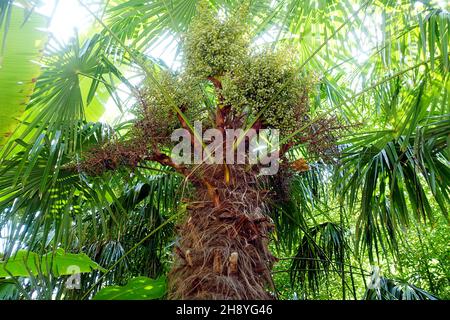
pixel 18 71
pixel 77 80
pixel 8 290
pixel 59 263
pixel 423 258
pixel 298 197
pixel 54 193
pixel 393 181
pixel 397 290
pixel 322 247
pixel 140 288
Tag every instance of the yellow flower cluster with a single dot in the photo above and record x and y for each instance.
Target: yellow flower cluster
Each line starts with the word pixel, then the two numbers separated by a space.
pixel 214 47
pixel 267 84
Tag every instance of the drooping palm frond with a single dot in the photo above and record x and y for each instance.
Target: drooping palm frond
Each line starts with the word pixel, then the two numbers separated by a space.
pixel 297 196
pixel 85 215
pixel 54 190
pixel 8 290
pixel 321 250
pixel 390 176
pixel 390 289
pixel 138 240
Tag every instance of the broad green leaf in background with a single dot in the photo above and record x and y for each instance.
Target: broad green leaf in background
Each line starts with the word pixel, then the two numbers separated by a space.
pixel 8 289
pixel 60 264
pixel 18 67
pixel 141 288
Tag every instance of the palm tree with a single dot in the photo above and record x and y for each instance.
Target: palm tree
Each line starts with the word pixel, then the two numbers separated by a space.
pixel 385 81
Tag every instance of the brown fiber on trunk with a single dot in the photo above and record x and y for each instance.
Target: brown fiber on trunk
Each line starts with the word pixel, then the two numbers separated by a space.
pixel 223 250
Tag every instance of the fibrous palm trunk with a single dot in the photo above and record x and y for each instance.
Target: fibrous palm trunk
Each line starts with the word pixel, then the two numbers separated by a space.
pixel 222 252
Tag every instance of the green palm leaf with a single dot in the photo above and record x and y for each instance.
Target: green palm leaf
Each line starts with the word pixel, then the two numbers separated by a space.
pixel 19 67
